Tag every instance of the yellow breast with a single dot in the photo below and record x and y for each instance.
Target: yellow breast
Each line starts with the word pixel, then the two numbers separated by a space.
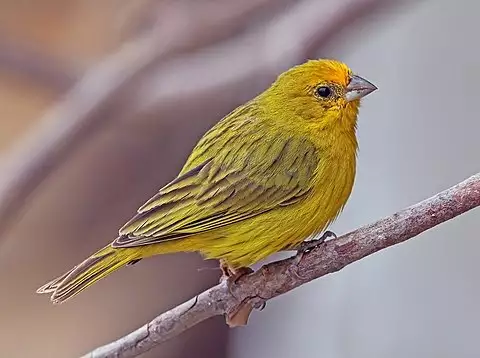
pixel 247 242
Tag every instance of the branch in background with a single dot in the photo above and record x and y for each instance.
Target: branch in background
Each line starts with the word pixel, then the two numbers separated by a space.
pixel 287 40
pixel 35 65
pixel 282 276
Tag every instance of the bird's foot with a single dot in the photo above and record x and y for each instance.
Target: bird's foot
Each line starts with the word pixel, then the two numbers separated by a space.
pixel 240 316
pixel 232 275
pixel 308 246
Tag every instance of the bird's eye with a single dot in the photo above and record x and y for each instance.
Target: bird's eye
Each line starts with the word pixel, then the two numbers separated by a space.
pixel 324 91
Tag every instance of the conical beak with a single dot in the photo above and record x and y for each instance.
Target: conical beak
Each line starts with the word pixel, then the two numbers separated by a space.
pixel 358 87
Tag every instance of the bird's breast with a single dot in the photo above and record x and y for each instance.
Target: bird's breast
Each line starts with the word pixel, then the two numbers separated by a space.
pixel 333 185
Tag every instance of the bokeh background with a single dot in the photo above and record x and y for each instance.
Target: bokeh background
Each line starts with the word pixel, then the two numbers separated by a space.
pixel 101 102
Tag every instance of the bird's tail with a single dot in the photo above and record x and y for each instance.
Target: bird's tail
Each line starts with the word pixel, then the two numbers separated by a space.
pixel 97 266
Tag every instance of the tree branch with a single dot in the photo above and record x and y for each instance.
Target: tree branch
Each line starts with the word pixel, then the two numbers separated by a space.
pixel 36 66
pixel 282 276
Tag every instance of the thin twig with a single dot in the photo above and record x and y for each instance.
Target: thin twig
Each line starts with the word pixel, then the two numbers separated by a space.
pixel 280 277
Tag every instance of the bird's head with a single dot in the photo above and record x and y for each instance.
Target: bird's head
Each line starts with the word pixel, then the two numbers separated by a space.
pixel 321 92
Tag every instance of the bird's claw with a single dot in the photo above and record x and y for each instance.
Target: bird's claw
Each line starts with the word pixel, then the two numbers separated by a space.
pixel 233 275
pixel 307 246
pixel 260 305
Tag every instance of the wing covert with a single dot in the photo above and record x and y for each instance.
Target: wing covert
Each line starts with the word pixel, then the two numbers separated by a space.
pixel 241 180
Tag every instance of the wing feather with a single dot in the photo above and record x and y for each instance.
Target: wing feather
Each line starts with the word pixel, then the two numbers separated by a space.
pixel 226 184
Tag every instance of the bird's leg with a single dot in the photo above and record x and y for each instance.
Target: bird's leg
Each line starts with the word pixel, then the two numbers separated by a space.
pixel 231 275
pixel 307 246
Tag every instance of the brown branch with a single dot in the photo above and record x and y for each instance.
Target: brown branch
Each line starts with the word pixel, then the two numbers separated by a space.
pixel 282 276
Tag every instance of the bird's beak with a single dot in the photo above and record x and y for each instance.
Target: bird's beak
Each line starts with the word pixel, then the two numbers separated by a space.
pixel 358 87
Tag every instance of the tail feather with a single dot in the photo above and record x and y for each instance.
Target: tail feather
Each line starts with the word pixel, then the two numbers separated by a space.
pixel 51 286
pixel 86 273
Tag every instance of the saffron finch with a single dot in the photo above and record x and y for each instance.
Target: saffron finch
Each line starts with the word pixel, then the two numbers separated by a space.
pixel 272 173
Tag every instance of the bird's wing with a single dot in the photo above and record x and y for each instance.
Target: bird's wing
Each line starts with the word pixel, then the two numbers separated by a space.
pixel 234 182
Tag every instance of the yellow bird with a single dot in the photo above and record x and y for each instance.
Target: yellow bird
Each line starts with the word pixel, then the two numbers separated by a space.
pixel 272 173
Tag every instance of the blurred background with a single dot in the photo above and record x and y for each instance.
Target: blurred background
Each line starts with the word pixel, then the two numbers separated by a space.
pixel 101 102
